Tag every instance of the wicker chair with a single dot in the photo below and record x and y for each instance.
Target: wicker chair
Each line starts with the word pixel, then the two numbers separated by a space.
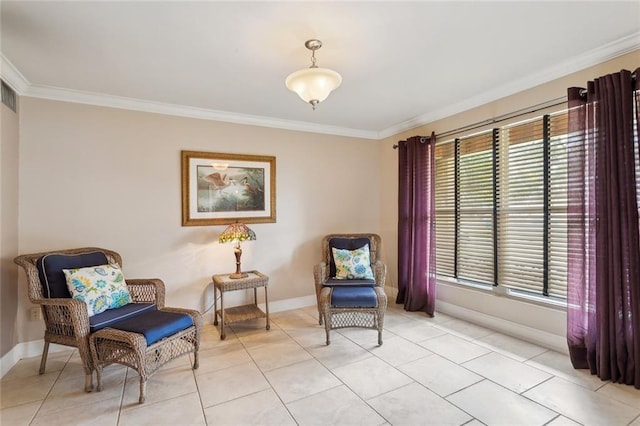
pixel 67 320
pixel 337 315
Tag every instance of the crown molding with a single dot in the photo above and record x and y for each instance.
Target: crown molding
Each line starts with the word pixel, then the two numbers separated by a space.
pixel 12 76
pixel 100 99
pixel 21 85
pixel 593 57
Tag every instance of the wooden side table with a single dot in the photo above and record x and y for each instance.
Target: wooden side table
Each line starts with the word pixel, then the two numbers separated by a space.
pixel 223 283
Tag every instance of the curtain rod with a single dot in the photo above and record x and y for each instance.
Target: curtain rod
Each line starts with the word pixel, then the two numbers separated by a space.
pixel 583 92
pixel 528 110
pixel 524 111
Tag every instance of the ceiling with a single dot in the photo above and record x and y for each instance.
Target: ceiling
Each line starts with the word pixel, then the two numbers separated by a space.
pixel 403 63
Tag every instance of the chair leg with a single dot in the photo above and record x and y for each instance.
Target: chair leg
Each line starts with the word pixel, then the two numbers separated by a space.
pixel 43 360
pixel 196 364
pixel 88 382
pixel 379 323
pixel 327 328
pixel 99 378
pixel 143 390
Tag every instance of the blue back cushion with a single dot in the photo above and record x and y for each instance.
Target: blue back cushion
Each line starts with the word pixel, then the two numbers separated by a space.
pixel 156 325
pixel 50 266
pixel 353 297
pixel 345 244
pixel 111 316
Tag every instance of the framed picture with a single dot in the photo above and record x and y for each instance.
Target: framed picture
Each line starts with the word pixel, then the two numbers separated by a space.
pixel 219 189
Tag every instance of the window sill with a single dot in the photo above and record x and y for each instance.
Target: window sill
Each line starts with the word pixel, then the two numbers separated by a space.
pixel 508 293
pixel 542 300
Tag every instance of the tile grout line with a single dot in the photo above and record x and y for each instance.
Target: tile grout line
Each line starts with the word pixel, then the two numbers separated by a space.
pixel 545 365
pixel 265 376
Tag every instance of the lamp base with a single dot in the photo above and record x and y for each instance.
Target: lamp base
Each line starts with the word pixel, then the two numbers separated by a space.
pixel 237 275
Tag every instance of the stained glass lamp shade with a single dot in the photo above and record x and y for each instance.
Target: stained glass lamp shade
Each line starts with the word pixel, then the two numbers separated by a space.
pixel 237 232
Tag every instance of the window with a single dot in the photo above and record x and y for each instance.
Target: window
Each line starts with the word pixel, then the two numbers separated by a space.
pixel 501 207
pixel 475 194
pixel 521 206
pixel 445 199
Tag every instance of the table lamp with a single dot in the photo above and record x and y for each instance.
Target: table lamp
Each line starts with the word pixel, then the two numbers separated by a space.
pixel 237 232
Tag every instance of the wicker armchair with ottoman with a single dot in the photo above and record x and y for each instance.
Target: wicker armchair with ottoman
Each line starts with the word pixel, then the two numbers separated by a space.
pixel 349 283
pixel 87 304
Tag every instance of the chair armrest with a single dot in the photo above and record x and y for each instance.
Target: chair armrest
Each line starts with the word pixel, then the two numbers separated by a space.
pixel 380 273
pixel 145 290
pixel 66 317
pixel 382 297
pixel 320 273
pixel 324 297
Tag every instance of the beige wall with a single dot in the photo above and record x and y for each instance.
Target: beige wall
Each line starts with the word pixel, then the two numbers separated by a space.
pixel 8 227
pixel 547 320
pixel 107 177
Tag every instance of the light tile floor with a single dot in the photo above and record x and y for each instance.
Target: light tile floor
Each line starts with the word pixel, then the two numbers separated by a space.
pixel 438 371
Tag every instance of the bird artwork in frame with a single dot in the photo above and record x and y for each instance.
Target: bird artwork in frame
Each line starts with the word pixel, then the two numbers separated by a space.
pixel 220 188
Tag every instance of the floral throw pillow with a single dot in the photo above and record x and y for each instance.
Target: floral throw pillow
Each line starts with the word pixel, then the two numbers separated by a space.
pixel 100 287
pixel 352 264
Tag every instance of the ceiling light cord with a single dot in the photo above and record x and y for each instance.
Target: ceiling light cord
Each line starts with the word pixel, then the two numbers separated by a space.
pixel 313 59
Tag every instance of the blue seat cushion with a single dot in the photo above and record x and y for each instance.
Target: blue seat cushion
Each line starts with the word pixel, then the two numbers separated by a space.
pixel 155 325
pixel 344 244
pixel 353 297
pixel 334 282
pixel 112 316
pixel 50 266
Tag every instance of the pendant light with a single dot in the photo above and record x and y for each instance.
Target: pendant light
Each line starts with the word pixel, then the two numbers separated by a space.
pixel 313 84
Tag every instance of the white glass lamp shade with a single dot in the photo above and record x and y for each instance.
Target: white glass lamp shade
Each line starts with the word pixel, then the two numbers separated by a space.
pixel 313 85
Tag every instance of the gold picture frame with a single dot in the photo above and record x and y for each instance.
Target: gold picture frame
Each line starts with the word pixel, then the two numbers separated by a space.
pixel 221 188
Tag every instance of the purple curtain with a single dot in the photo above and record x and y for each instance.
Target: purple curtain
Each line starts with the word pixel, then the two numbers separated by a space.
pixel 603 301
pixel 416 224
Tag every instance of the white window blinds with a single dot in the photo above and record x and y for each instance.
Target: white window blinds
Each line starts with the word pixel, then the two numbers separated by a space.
pixel 521 207
pixel 445 208
pixel 557 214
pixel 501 206
pixel 475 198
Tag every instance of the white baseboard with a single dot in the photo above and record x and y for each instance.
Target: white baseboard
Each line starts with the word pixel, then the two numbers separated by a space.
pixel 519 331
pixel 523 332
pixel 289 304
pixel 26 350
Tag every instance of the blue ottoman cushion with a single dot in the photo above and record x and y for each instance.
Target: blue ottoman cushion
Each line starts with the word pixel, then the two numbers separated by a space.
pixel 353 297
pixel 155 325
